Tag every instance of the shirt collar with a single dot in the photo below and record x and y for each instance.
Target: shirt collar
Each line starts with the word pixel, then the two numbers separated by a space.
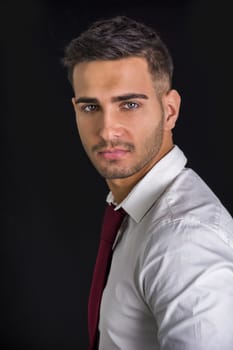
pixel 152 185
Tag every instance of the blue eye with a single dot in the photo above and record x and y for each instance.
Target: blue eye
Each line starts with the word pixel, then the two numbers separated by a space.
pixel 89 108
pixel 131 105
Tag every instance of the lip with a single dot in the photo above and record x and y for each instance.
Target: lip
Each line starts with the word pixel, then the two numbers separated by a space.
pixel 113 153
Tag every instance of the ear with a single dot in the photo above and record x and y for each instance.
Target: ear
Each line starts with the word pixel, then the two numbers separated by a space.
pixel 171 103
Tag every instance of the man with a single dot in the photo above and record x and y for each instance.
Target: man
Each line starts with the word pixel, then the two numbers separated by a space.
pixel 170 285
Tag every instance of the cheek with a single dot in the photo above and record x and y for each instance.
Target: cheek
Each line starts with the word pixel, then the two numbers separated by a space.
pixel 86 132
pixel 147 126
pixel 81 128
pixel 81 125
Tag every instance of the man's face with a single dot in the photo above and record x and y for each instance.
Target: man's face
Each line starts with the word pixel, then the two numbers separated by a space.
pixel 120 119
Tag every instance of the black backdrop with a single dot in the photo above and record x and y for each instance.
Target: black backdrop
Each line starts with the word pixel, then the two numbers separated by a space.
pixel 48 242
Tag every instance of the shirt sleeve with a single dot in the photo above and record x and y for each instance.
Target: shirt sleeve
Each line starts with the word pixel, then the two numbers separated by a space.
pixel 186 279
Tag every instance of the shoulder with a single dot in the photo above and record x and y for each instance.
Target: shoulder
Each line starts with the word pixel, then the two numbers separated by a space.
pixel 189 207
pixel 188 224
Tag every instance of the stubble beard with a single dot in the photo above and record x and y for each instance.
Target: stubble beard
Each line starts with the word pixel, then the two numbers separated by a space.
pixel 151 147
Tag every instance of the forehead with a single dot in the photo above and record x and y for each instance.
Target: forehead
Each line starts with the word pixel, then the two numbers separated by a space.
pixel 116 76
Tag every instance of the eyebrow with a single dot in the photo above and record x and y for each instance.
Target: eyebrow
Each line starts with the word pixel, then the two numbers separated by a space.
pixel 113 99
pixel 128 97
pixel 86 100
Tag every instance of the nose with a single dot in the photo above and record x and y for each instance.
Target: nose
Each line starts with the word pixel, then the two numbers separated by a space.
pixel 110 127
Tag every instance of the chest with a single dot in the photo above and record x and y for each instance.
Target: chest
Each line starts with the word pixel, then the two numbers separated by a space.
pixel 126 321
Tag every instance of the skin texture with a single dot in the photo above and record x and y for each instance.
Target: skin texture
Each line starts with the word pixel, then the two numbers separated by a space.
pixel 124 126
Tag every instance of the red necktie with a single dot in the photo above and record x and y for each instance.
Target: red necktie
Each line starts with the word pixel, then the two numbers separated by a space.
pixel 111 223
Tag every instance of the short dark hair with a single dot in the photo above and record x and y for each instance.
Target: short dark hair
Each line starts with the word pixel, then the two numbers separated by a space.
pixel 122 37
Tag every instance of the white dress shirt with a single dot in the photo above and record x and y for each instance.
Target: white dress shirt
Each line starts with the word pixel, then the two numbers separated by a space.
pixel 170 286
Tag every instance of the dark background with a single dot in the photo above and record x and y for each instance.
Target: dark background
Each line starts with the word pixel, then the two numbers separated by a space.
pixel 48 241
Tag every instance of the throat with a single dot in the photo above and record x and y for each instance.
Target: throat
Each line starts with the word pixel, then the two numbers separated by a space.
pixel 120 188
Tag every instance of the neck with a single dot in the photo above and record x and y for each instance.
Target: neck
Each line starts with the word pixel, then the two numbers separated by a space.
pixel 120 188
